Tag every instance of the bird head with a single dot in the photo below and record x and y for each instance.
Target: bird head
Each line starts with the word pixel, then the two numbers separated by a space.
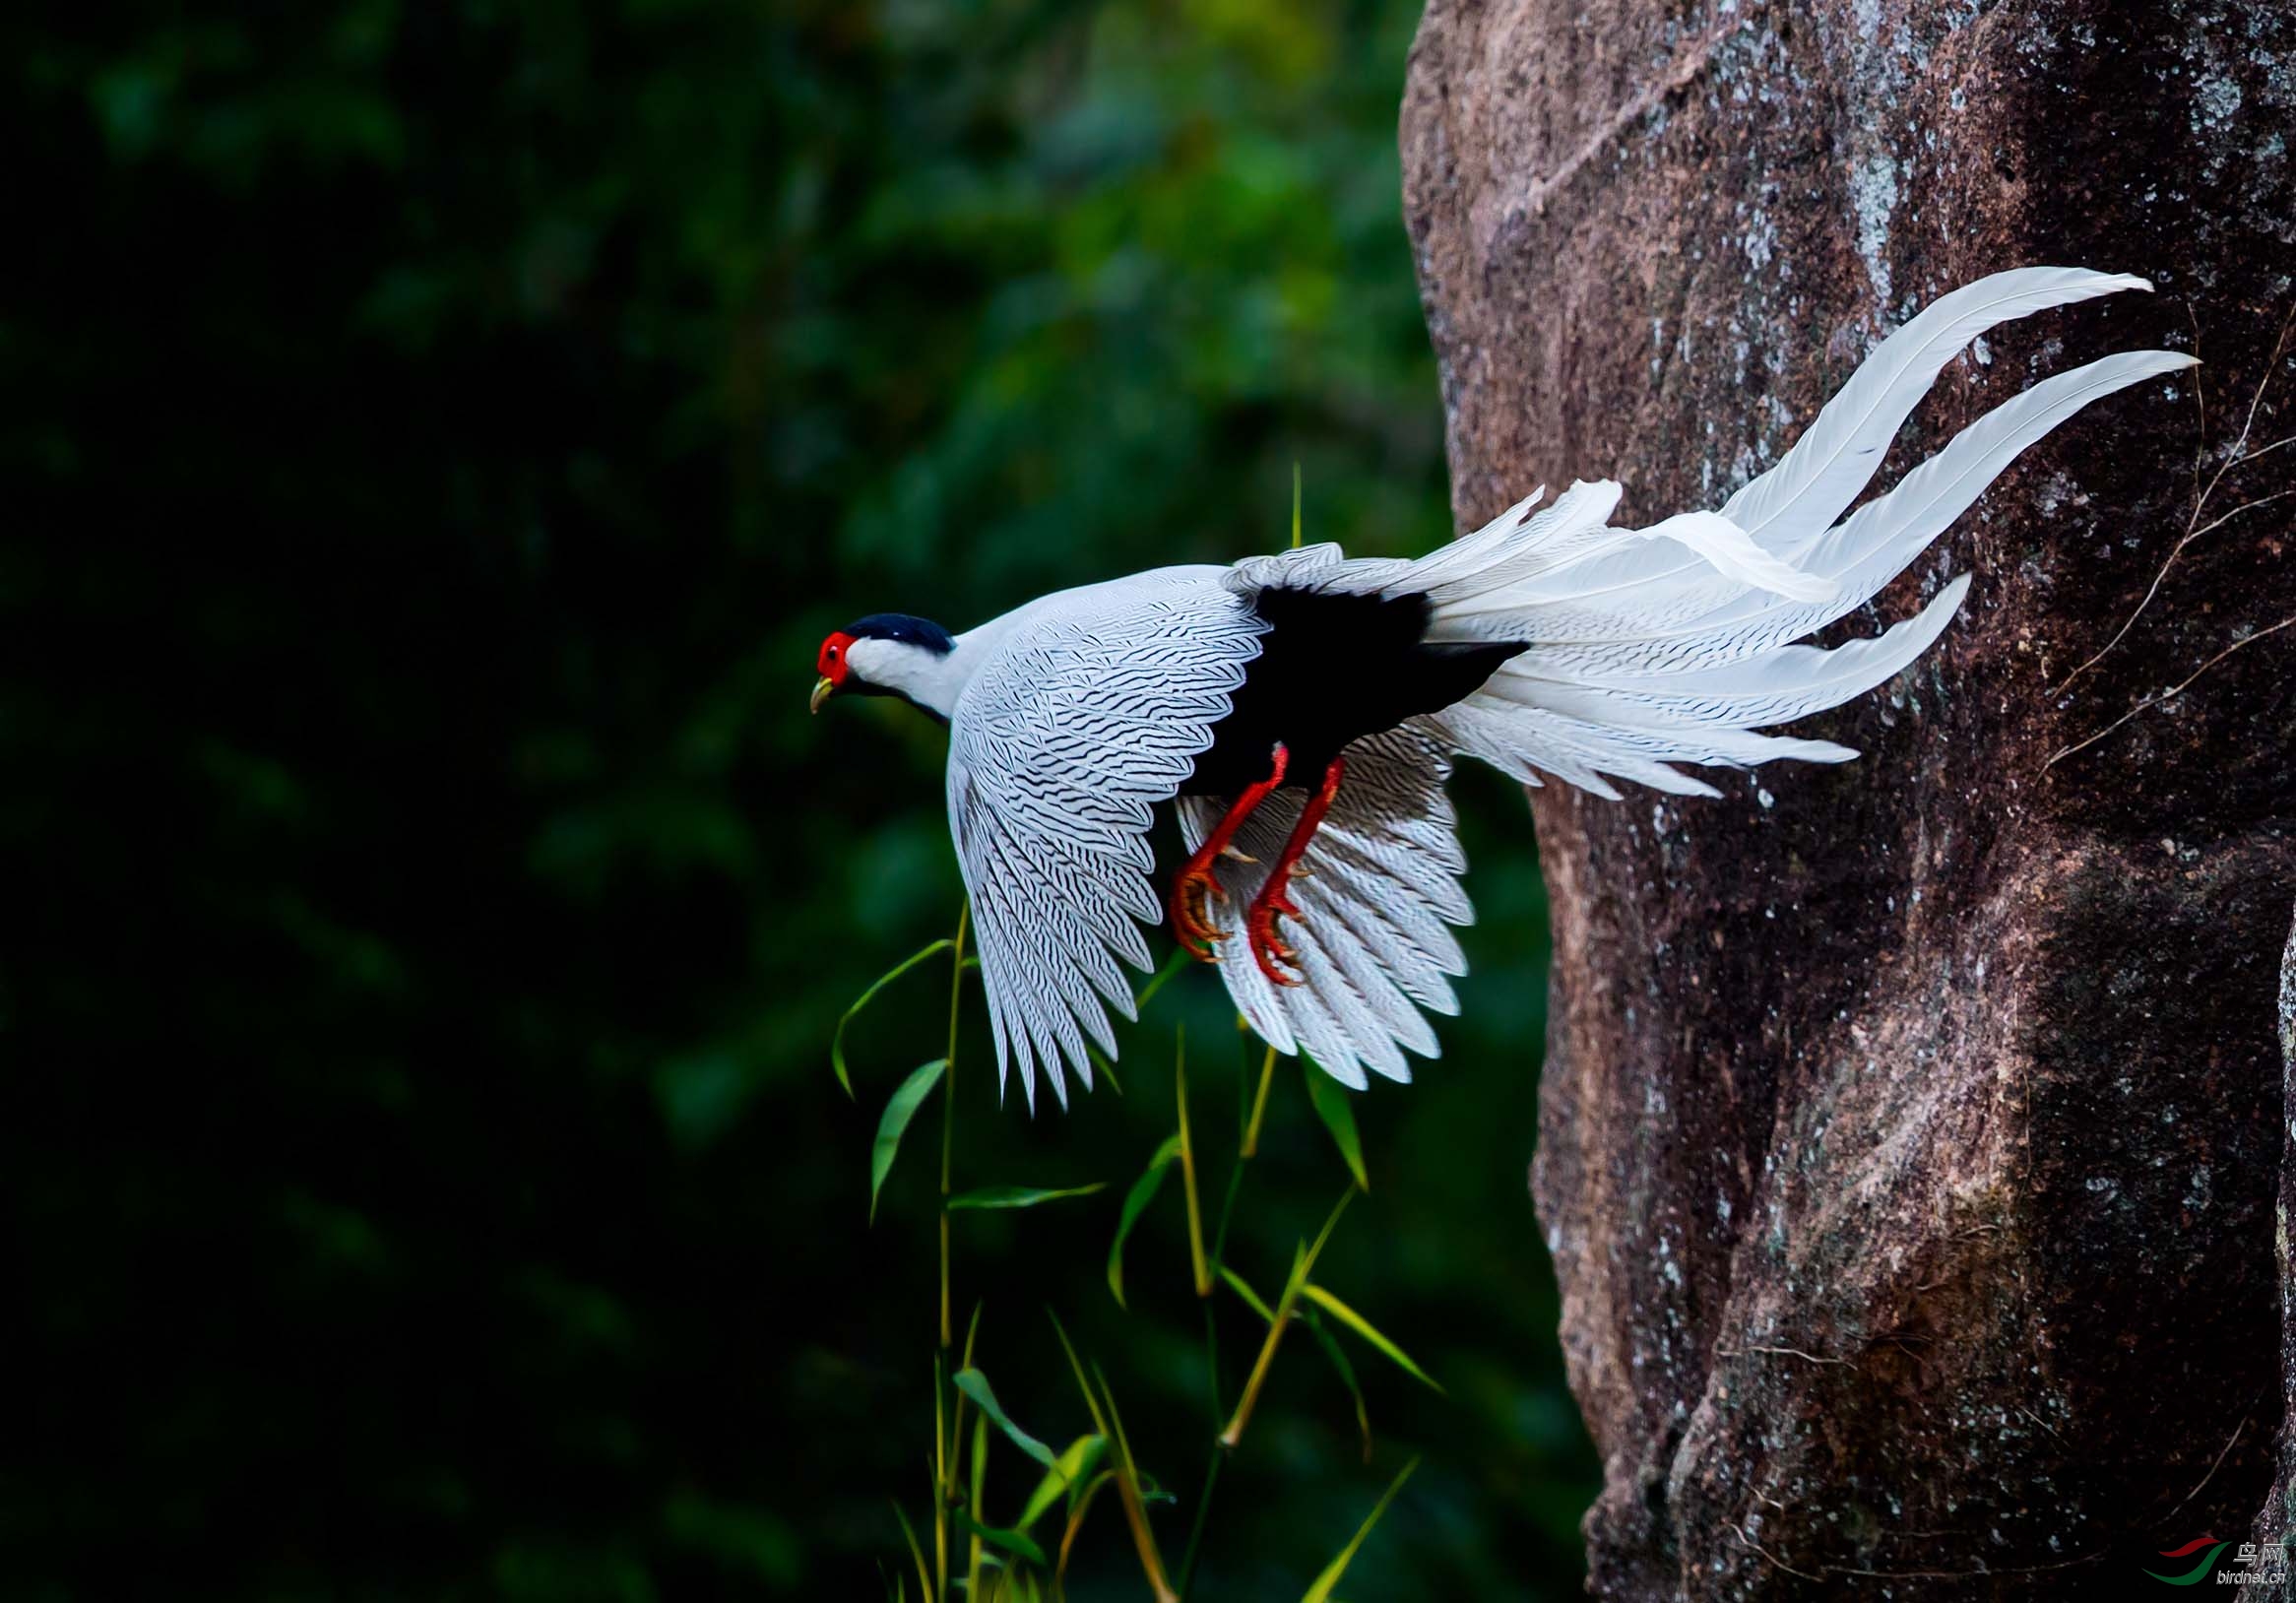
pixel 886 654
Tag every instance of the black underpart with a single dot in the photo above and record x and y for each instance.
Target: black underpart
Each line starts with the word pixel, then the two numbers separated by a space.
pixel 1331 670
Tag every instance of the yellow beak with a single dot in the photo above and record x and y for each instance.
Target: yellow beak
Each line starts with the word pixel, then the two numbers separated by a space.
pixel 821 688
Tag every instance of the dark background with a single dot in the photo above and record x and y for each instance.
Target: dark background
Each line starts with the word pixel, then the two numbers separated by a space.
pixel 438 437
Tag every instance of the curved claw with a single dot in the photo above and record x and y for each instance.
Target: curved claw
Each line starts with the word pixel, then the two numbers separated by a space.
pixel 1191 925
pixel 1269 949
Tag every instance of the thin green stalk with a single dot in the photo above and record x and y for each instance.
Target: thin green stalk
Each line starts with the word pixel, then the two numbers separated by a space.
pixel 1248 1124
pixel 980 1475
pixel 1195 1535
pixel 941 1468
pixel 1267 1074
pixel 1128 1490
pixel 948 1108
pixel 1187 1170
pixel 1227 1210
pixel 957 1409
pixel 1302 1263
pixel 945 1429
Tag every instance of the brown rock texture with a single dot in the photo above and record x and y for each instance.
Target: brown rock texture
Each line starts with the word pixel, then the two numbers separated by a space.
pixel 2274 1522
pixel 1914 1131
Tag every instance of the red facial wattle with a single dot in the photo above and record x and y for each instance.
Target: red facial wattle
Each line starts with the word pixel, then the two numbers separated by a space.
pixel 831 664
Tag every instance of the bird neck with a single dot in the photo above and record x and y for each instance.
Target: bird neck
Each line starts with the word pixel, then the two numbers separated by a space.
pixel 927 678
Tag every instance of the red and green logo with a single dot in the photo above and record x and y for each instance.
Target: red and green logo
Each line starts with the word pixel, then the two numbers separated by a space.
pixel 2200 1572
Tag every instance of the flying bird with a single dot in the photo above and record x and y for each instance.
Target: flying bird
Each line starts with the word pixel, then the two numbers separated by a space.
pixel 1302 710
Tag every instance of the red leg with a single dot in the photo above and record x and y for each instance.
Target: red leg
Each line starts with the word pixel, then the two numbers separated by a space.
pixel 1268 948
pixel 1190 926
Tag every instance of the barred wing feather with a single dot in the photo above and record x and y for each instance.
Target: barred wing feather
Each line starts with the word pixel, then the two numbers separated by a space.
pixel 1093 710
pixel 1378 890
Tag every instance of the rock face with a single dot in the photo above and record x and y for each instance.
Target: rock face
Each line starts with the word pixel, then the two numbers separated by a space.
pixel 1914 1130
pixel 2274 1522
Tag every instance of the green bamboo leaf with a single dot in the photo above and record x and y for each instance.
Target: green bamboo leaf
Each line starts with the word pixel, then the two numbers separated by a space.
pixel 837 1042
pixel 1346 1377
pixel 1019 1197
pixel 1138 1490
pixel 1076 1367
pixel 898 1112
pixel 1332 1107
pixel 1136 1201
pixel 1250 1296
pixel 974 1384
pixel 1016 1543
pixel 1304 1259
pixel 1071 1470
pixel 1320 1593
pixel 1363 1328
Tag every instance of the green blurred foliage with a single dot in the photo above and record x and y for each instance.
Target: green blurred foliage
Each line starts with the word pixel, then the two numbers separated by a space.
pixel 440 436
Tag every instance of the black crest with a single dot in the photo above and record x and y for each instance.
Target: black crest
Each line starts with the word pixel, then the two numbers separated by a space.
pixel 909 631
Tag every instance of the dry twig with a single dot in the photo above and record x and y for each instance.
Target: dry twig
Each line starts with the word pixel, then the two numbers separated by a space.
pixel 2239 456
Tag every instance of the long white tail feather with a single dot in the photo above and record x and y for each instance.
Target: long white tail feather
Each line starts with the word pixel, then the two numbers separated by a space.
pixel 1675 643
pixel 1878 541
pixel 1779 685
pixel 1569 531
pixel 1834 459
pixel 1875 543
pixel 1860 556
pixel 1544 552
pixel 1470 552
pixel 1732 553
pixel 1838 453
pixel 1520 741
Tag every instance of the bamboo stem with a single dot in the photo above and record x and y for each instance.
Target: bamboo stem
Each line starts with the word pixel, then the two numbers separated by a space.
pixel 948 1108
pixel 1187 1173
pixel 980 1477
pixel 941 1493
pixel 1267 1074
pixel 1303 1262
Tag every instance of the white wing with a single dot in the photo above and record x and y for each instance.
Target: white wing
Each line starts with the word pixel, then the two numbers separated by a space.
pixel 1091 709
pixel 1377 891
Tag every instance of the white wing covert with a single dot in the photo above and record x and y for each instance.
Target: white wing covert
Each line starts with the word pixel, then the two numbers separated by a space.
pixel 1378 889
pixel 1092 710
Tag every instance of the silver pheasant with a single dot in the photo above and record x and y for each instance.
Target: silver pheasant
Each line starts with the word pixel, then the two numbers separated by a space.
pixel 1302 710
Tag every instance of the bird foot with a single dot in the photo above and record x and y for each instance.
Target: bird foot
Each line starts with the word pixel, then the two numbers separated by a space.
pixel 1192 894
pixel 1269 949
pixel 1195 889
